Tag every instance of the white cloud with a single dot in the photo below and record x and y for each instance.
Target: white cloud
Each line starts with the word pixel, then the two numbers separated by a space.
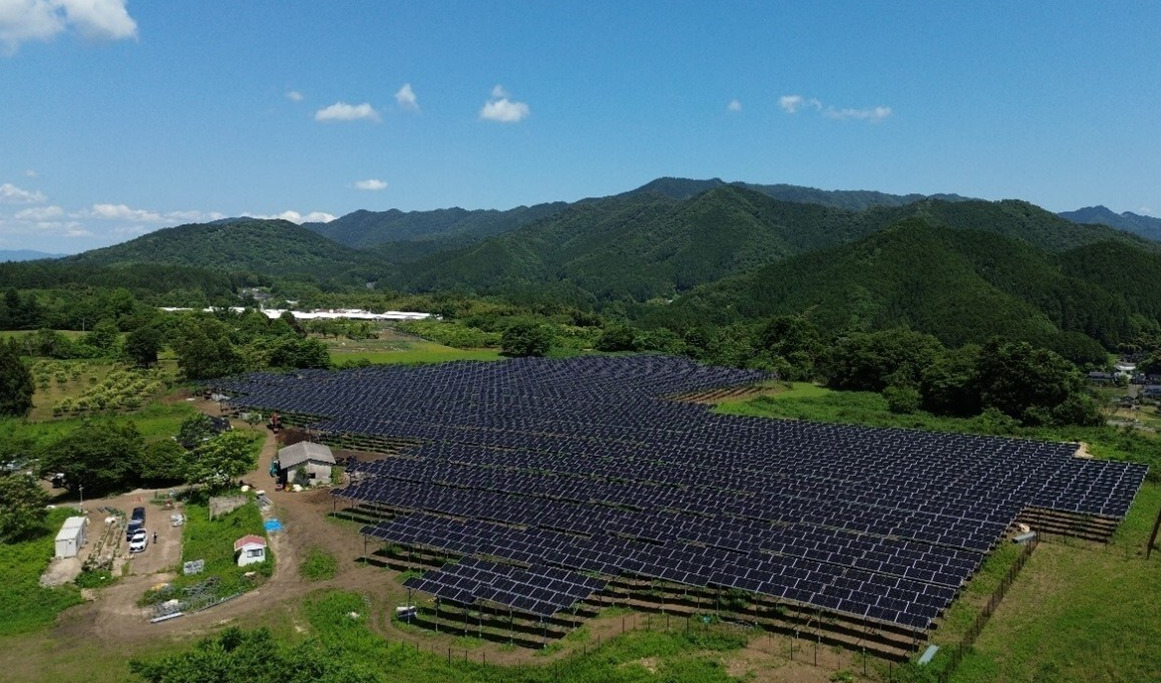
pixel 503 110
pixel 39 213
pixel 874 114
pixel 406 99
pixel 371 184
pixel 25 20
pixel 296 217
pixel 734 105
pixel 29 173
pixel 120 212
pixel 10 194
pixel 192 216
pixel 341 111
pixel 101 19
pixel 294 96
pixel 792 103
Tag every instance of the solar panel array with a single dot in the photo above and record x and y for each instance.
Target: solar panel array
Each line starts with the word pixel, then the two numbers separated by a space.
pixel 583 464
pixel 538 590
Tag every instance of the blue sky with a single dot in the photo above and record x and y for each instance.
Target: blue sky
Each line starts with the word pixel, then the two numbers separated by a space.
pixel 120 118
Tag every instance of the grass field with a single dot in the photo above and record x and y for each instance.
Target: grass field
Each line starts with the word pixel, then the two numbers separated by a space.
pixel 1079 612
pixel 802 401
pixel 155 421
pixel 213 542
pixel 399 349
pixel 27 606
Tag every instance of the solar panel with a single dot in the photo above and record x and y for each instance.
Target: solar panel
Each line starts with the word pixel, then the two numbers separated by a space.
pixel 581 464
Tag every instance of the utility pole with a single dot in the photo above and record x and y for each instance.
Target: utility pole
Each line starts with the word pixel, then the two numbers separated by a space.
pixel 1153 536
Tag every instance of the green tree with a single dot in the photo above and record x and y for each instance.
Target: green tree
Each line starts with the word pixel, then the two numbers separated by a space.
pixel 290 351
pixel 22 506
pixel 102 455
pixel 1035 386
pixel 16 385
pixel 164 462
pixel 105 338
pixel 949 387
pixel 790 345
pixel 255 657
pixel 223 458
pixel 526 338
pixel 195 430
pixel 203 347
pixel 902 400
pixel 142 345
pixel 617 338
pixel 871 361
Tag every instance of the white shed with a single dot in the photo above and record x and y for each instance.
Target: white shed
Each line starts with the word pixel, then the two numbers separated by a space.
pixel 71 537
pixel 315 458
pixel 250 550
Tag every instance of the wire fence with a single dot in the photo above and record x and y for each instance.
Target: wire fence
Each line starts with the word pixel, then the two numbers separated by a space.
pixel 969 638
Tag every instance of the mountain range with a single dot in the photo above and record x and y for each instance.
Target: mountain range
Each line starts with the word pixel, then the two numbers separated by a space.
pixel 681 253
pixel 1145 226
pixel 24 255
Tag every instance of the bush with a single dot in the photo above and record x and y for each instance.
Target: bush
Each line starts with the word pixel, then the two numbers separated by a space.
pixel 902 400
pixel 319 565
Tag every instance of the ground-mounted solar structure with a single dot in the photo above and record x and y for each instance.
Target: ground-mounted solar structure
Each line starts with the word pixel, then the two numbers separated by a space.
pixel 551 487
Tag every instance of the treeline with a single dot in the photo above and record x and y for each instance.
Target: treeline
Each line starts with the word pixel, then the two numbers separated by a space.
pixel 1027 383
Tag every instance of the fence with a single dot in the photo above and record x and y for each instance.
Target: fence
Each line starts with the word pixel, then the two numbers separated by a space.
pixel 969 638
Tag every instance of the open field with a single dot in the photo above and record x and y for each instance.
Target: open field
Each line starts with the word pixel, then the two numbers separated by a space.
pixel 395 347
pixel 28 607
pixel 1079 612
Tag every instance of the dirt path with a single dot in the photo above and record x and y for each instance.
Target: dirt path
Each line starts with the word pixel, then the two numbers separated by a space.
pixel 115 616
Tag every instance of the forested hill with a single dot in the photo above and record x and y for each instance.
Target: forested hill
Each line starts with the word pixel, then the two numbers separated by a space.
pixel 369 228
pixel 961 285
pixel 272 247
pixel 647 244
pixel 851 200
pixel 415 233
pixel 1145 226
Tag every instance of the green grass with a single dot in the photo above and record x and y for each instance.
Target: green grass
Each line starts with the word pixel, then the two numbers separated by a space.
pixel 213 541
pixel 678 656
pixel 402 351
pixel 155 421
pixel 26 605
pixel 819 404
pixel 1083 613
pixel 318 565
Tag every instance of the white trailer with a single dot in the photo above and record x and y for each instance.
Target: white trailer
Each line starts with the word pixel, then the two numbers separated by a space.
pixel 71 537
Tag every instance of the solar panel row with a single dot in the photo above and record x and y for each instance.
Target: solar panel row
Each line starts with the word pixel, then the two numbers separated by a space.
pixel 882 523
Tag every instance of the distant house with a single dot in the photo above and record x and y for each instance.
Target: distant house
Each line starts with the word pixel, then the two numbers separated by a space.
pixel 1151 391
pixel 316 458
pixel 250 549
pixel 1101 377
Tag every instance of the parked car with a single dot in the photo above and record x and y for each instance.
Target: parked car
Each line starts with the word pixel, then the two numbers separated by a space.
pixel 139 540
pixel 136 522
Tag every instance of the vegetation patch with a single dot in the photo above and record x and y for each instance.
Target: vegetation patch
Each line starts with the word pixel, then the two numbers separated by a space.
pixel 318 565
pixel 28 606
pixel 1083 613
pixel 212 541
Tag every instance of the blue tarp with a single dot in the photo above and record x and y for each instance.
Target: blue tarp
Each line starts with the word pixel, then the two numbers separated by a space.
pixel 273 525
